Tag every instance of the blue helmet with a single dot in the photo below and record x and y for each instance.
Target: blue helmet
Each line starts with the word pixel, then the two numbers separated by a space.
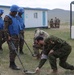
pixel 14 8
pixel 21 10
pixel 1 11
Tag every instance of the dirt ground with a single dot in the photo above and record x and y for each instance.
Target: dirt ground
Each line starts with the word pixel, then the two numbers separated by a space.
pixel 4 61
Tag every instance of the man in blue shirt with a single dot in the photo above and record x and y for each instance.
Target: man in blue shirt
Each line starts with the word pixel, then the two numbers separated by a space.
pixel 12 30
pixel 22 25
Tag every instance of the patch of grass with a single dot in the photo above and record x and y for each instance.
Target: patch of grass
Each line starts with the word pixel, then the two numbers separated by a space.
pixel 31 62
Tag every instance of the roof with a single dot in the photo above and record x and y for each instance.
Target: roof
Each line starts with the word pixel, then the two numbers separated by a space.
pixel 27 8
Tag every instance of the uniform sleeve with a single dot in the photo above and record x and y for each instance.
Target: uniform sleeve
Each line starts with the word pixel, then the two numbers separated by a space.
pixel 7 22
pixel 43 60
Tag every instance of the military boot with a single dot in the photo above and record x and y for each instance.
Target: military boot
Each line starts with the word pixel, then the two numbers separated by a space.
pixel 13 66
pixel 72 68
pixel 21 51
pixel 1 49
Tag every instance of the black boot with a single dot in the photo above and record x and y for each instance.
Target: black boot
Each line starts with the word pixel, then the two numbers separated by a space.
pixel 13 66
pixel 1 49
pixel 72 68
pixel 21 51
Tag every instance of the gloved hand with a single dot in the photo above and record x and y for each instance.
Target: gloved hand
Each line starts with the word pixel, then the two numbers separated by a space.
pixel 37 70
pixel 9 38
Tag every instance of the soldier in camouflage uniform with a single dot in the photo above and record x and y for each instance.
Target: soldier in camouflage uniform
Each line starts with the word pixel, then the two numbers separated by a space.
pixel 51 23
pixel 2 38
pixel 55 22
pixel 19 17
pixel 58 23
pixel 36 47
pixel 12 30
pixel 54 48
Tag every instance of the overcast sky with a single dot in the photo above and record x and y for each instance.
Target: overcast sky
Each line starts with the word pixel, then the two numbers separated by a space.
pixel 50 4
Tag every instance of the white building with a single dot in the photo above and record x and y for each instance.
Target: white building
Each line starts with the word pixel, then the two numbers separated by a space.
pixel 33 17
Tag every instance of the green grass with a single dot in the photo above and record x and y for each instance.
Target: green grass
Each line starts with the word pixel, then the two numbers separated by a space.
pixel 31 62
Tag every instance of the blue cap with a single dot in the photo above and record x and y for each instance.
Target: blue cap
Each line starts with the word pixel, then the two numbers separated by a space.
pixel 14 8
pixel 21 10
pixel 1 11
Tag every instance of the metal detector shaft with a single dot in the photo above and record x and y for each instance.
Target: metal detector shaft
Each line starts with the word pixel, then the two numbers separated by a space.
pixel 26 71
pixel 13 47
pixel 27 45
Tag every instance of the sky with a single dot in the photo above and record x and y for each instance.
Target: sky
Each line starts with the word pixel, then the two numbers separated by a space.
pixel 49 4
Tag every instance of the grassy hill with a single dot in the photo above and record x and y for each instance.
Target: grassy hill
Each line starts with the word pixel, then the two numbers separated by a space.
pixel 63 15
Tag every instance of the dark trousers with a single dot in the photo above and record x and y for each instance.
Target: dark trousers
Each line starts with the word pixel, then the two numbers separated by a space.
pixel 12 53
pixel 62 53
pixel 21 43
pixel 2 39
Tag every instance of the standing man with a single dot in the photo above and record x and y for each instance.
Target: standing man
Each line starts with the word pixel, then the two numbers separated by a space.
pixel 51 23
pixel 2 40
pixel 54 48
pixel 58 23
pixel 20 19
pixel 12 30
pixel 55 22
pixel 36 47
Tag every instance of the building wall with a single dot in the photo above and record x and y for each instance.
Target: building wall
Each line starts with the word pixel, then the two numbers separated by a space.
pixel 32 21
pixel 6 11
pixel 32 18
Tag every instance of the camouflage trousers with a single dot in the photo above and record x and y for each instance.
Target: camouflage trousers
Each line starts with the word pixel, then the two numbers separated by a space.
pixel 12 53
pixel 2 39
pixel 21 43
pixel 62 53
pixel 36 49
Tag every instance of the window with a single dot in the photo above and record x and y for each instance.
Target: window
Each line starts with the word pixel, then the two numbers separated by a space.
pixel 35 15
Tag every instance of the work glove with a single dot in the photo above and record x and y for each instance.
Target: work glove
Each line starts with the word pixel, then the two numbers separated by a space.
pixel 37 70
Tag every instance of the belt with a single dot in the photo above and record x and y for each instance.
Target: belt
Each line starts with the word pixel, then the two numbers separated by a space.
pixel 15 37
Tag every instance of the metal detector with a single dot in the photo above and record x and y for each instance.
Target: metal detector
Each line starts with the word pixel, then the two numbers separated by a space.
pixel 29 48
pixel 24 70
pixel 27 45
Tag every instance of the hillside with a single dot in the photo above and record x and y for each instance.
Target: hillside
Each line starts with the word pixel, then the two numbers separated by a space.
pixel 63 15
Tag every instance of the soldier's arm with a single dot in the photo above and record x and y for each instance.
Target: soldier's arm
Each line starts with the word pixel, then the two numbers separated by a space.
pixel 42 61
pixel 7 22
pixel 44 56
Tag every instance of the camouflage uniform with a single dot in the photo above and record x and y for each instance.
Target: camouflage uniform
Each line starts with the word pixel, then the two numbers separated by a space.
pixel 21 43
pixel 22 25
pixel 51 23
pixel 58 23
pixel 36 47
pixel 55 22
pixel 12 30
pixel 61 50
pixel 2 38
